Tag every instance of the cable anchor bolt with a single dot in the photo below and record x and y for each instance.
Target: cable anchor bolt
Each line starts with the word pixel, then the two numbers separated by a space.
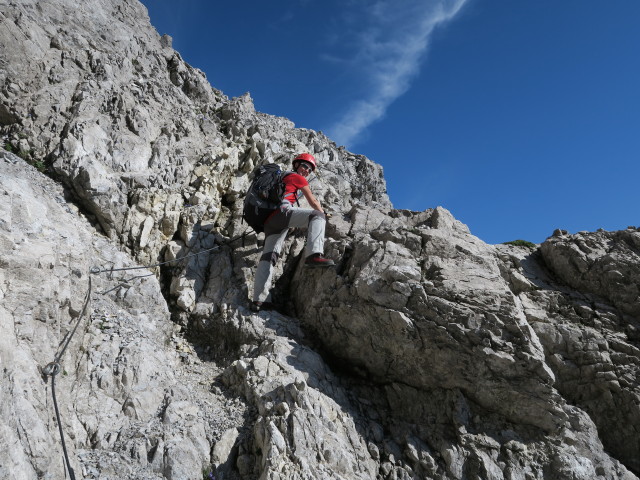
pixel 51 369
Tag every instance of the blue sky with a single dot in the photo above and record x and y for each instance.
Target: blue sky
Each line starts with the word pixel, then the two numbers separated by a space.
pixel 519 117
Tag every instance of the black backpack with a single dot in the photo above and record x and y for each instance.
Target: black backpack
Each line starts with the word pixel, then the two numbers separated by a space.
pixel 264 195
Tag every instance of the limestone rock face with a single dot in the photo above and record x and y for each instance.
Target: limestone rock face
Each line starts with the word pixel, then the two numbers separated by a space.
pixel 425 354
pixel 604 267
pixel 130 404
pixel 423 302
pixel 603 263
pixel 144 142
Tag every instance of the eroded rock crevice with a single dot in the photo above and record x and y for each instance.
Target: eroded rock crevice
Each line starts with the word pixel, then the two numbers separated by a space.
pixel 425 353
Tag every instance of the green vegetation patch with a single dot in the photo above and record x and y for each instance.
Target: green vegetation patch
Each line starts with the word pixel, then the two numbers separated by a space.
pixel 522 243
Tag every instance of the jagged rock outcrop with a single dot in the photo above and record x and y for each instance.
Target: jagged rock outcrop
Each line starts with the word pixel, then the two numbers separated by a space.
pixel 426 353
pixel 130 403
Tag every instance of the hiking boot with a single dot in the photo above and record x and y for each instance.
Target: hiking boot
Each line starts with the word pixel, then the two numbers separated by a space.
pixel 255 306
pixel 317 260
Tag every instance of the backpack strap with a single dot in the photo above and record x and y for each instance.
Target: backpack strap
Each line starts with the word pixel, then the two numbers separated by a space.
pixel 296 194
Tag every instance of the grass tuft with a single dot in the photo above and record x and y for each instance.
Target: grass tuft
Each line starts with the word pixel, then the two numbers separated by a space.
pixel 522 243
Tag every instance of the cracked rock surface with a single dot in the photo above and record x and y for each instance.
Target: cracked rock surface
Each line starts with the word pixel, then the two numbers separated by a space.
pixel 425 354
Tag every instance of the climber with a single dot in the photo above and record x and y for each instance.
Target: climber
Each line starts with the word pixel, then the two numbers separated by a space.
pixel 287 216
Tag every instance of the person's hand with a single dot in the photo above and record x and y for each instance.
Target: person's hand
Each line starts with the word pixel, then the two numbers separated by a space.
pixel 284 207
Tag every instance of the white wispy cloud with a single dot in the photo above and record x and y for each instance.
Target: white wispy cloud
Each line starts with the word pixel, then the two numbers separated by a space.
pixel 389 44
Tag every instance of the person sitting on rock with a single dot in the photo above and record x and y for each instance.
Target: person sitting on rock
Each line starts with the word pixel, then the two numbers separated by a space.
pixel 287 216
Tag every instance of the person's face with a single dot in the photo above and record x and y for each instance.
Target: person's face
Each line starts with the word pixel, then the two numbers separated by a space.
pixel 304 169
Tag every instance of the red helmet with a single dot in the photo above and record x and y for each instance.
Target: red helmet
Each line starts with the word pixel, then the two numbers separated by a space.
pixel 304 157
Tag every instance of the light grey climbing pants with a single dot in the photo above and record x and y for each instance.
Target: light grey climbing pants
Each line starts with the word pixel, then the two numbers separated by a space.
pixel 275 231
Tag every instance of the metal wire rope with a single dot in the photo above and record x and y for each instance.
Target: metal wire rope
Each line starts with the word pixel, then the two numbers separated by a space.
pixel 96 270
pixel 53 368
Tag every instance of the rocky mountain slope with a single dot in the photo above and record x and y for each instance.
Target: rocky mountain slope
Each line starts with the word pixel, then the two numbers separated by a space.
pixel 425 354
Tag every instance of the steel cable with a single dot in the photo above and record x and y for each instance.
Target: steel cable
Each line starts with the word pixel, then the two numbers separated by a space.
pixel 53 368
pixel 96 270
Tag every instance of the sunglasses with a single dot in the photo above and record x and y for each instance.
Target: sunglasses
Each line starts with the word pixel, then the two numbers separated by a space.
pixel 306 166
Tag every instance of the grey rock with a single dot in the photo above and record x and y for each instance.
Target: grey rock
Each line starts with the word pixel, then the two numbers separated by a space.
pixel 118 374
pixel 223 449
pixel 426 353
